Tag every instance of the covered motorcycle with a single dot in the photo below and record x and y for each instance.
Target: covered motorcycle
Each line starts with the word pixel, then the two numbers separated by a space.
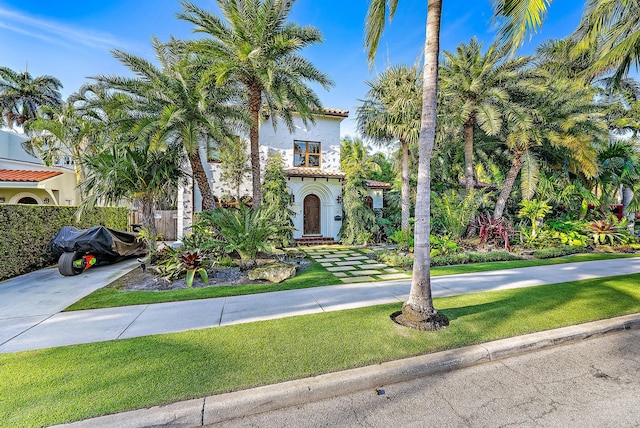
pixel 79 249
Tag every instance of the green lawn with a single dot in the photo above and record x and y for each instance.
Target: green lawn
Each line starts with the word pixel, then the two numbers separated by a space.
pixel 70 383
pixel 314 276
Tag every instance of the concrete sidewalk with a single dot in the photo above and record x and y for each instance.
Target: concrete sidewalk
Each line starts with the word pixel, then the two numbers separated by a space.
pixel 29 320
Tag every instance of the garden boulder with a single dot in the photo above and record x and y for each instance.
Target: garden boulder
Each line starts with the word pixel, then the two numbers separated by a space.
pixel 273 272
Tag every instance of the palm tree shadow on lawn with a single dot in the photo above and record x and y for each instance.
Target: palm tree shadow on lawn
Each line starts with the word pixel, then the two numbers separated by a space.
pixel 549 306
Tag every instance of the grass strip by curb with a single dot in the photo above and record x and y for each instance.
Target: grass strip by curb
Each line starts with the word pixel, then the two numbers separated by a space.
pixel 64 384
pixel 314 276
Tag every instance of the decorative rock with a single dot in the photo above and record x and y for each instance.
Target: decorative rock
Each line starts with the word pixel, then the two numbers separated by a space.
pixel 274 272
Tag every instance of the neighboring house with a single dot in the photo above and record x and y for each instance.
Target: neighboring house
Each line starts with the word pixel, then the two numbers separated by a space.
pixel 312 163
pixel 25 180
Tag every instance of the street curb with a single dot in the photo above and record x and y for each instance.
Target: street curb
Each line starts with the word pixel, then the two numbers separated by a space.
pixel 224 407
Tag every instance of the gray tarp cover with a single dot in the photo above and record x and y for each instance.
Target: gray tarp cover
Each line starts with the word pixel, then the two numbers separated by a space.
pixel 98 240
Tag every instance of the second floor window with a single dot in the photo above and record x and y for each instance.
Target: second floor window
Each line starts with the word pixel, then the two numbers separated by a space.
pixel 306 154
pixel 213 152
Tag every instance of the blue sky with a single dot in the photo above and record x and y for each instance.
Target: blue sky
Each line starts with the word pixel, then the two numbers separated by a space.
pixel 72 39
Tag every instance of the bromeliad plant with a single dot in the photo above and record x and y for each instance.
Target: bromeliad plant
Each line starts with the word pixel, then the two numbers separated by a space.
pixel 192 261
pixel 607 230
pixel 172 264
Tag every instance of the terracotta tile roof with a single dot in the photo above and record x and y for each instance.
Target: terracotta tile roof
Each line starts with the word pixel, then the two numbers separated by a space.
pixel 313 172
pixel 27 176
pixel 336 112
pixel 378 184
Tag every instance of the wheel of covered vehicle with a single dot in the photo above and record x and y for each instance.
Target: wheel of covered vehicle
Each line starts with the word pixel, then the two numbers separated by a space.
pixel 70 264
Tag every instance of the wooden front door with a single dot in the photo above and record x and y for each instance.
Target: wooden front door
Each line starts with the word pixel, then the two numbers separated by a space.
pixel 311 215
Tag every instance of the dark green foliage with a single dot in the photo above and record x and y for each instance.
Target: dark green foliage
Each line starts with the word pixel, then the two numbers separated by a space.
pixel 276 200
pixel 406 261
pixel 25 232
pixel 548 253
pixel 243 230
pixel 359 223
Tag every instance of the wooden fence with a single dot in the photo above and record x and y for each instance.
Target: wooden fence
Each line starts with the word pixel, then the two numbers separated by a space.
pixel 166 223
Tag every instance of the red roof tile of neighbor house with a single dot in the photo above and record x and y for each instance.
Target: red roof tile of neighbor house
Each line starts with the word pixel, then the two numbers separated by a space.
pixel 336 112
pixel 378 184
pixel 313 172
pixel 27 176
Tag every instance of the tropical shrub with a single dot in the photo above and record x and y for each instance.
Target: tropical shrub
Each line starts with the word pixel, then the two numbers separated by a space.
pixel 243 230
pixel 359 224
pixel 494 231
pixel 604 231
pixel 277 200
pixel 453 211
pixel 172 264
pixel 534 211
pixel 403 238
pixel 442 245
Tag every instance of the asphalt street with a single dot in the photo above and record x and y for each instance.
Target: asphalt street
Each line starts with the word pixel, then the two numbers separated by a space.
pixel 593 383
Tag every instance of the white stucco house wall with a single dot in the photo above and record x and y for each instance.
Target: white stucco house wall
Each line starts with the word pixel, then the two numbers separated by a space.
pixel 311 154
pixel 25 179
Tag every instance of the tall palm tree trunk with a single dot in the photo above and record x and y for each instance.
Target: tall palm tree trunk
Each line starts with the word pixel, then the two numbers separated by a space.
pixel 516 165
pixel 201 178
pixel 468 154
pixel 405 197
pixel 418 312
pixel 148 218
pixel 255 100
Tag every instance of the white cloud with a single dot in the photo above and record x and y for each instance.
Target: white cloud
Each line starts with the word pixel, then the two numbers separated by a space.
pixel 55 32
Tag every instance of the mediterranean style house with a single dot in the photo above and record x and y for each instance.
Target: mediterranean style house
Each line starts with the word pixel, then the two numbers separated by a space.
pixel 312 164
pixel 25 180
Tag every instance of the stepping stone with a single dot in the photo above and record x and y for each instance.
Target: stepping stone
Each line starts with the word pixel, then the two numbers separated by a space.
pixel 367 272
pixel 357 279
pixel 394 276
pixel 351 263
pixel 339 274
pixel 326 264
pixel 391 270
pixel 340 268
pixel 331 259
pixel 356 258
pixel 375 266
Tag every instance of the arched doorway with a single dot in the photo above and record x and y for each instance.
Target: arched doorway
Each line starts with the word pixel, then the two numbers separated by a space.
pixel 28 200
pixel 368 201
pixel 311 215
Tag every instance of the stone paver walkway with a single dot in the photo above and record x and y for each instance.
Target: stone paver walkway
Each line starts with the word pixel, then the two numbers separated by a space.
pixel 351 265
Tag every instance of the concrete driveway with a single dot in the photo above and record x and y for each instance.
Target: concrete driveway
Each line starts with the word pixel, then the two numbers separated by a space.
pixel 28 300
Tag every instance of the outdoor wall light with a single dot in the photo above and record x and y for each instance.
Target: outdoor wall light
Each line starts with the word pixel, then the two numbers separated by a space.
pixel 2 199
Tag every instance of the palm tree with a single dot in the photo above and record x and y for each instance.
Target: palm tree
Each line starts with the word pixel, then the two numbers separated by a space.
pixel 391 112
pixel 134 172
pixel 563 117
pixel 257 47
pixel 476 86
pixel 177 104
pixel 520 15
pixel 60 131
pixel 21 95
pixel 612 28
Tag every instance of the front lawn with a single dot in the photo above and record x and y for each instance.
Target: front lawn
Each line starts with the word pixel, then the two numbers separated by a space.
pixel 314 276
pixel 64 384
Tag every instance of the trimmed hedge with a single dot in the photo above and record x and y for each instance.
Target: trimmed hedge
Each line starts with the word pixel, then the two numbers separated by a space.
pixel 549 253
pixel 25 232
